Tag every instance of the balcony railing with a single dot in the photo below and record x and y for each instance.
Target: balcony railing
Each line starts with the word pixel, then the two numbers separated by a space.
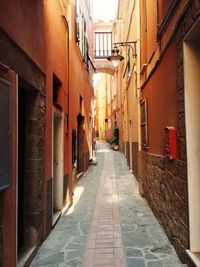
pixel 103 44
pixel 102 53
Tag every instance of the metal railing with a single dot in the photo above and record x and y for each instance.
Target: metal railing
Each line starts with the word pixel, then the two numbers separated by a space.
pixel 102 53
pixel 103 44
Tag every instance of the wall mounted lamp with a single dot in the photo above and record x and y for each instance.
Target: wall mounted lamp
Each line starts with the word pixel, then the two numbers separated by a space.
pixel 116 57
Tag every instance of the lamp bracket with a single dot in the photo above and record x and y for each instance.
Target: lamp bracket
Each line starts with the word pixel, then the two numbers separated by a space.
pixel 132 45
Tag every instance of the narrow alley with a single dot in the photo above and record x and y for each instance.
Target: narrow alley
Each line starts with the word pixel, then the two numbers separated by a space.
pixel 99 133
pixel 109 224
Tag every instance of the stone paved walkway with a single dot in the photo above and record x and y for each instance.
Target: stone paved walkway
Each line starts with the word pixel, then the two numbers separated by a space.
pixel 109 224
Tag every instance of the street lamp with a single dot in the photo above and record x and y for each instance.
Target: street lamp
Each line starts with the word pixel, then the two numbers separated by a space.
pixel 116 58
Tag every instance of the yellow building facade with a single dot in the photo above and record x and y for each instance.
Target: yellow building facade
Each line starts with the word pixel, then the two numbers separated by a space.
pixel 126 33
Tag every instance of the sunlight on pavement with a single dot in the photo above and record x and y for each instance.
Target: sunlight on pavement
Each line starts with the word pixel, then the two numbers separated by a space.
pixel 77 195
pixel 103 150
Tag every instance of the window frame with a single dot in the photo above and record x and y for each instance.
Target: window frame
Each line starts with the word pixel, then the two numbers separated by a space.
pixel 144 123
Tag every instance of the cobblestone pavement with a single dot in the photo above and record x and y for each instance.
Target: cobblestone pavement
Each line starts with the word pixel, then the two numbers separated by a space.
pixel 109 224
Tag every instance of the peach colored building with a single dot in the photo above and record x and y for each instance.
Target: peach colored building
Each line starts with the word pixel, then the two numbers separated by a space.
pixel 126 35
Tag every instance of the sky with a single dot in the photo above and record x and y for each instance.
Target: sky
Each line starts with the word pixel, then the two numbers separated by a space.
pixel 104 9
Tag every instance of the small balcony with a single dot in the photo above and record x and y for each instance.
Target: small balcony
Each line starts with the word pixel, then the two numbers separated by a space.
pixel 103 45
pixel 102 54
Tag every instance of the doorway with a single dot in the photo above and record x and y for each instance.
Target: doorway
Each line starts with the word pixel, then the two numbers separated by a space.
pixel 130 147
pixel 192 111
pixel 21 167
pixel 91 156
pixel 58 156
pixel 80 144
pixel 28 169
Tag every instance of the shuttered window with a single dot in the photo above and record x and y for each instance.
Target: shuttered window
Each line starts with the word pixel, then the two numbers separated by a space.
pixel 144 125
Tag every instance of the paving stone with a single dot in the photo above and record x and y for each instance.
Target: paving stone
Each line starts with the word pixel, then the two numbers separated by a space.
pixel 109 223
pixel 51 259
pixel 135 262
pixel 132 252
pixel 144 240
pixel 150 256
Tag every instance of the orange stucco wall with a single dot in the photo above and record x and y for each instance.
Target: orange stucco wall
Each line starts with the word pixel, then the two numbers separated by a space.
pixel 161 94
pixel 38 28
pixel 43 37
pixel 56 64
pixel 79 80
pixel 32 37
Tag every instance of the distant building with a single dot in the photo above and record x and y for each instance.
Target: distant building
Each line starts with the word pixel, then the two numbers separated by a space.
pixel 126 32
pixel 102 43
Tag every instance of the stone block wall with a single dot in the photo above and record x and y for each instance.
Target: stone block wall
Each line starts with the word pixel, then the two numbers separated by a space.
pixel 165 188
pixel 34 165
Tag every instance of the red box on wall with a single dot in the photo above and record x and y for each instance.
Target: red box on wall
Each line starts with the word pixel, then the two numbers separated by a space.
pixel 170 142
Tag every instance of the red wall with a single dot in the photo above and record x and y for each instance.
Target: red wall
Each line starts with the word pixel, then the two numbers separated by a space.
pixel 43 38
pixel 29 34
pixel 161 94
pixel 56 64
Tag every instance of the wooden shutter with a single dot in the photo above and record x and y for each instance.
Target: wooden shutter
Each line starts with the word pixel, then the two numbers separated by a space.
pixel 144 125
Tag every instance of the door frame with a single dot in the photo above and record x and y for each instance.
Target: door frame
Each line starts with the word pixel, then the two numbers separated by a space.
pixel 191 56
pixel 59 183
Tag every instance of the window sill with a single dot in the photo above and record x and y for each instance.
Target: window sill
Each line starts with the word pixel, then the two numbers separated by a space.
pixel 195 257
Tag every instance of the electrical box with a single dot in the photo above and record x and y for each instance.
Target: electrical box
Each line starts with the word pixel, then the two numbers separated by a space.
pixel 170 142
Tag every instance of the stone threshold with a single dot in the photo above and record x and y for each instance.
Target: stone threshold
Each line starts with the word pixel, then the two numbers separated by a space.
pixel 25 256
pixel 194 256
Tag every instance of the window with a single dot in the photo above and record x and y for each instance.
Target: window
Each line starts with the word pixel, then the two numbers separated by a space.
pixel 103 44
pixel 143 114
pixel 77 22
pixel 56 87
pixel 84 41
pixel 81 34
